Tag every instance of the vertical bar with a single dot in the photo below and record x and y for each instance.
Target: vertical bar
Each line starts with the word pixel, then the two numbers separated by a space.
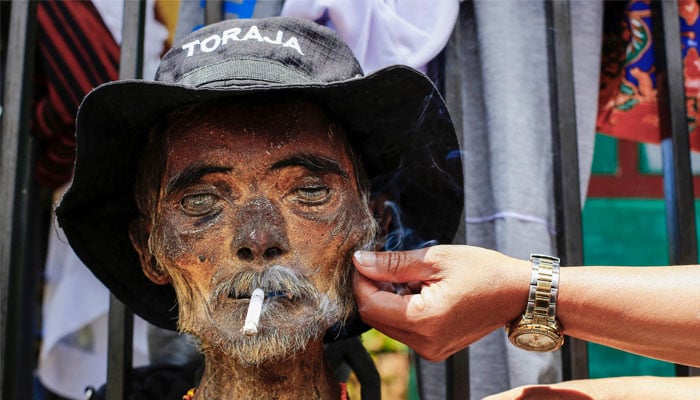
pixel 565 154
pixel 213 11
pixel 15 180
pixel 131 58
pixel 458 375
pixel 678 179
pixel 457 366
pixel 119 354
pixel 121 319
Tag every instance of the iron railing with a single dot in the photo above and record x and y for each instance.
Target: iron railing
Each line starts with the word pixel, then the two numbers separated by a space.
pixel 19 200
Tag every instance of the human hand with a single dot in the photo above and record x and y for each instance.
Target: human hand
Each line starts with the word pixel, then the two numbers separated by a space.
pixel 456 295
pixel 540 392
pixel 625 387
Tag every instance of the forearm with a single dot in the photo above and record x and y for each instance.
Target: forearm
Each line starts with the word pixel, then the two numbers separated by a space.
pixel 649 311
pixel 637 387
pixel 623 388
pixel 467 292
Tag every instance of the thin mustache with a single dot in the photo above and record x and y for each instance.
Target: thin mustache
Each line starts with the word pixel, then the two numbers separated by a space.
pixel 277 280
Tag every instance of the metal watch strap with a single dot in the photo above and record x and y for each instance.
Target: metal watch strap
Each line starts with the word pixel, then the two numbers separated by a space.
pixel 544 283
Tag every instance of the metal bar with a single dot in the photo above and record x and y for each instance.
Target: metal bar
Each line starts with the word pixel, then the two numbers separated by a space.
pixel 121 319
pixel 458 375
pixel 15 179
pixel 678 178
pixel 131 58
pixel 213 11
pixel 120 345
pixel 565 157
pixel 457 366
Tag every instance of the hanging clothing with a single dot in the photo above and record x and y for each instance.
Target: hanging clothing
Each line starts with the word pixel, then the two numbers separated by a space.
pixel 74 324
pixel 192 12
pixel 628 103
pixel 78 45
pixel 67 69
pixel 382 33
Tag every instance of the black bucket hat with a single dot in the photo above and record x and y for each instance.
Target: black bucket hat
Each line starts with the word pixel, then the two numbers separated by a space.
pixel 395 120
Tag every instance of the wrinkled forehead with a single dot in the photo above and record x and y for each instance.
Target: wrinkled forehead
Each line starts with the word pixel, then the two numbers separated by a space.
pixel 255 129
pixel 280 122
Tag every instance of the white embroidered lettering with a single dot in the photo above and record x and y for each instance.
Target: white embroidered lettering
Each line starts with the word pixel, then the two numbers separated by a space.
pixel 278 39
pixel 213 42
pixel 253 33
pixel 292 42
pixel 207 46
pixel 230 34
pixel 190 47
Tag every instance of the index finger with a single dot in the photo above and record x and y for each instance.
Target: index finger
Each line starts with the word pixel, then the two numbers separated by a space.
pixel 381 309
pixel 395 266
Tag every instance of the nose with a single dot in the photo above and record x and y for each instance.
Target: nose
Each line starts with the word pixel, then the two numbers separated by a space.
pixel 261 235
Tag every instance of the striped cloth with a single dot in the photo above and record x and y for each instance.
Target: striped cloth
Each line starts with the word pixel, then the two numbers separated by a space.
pixel 76 53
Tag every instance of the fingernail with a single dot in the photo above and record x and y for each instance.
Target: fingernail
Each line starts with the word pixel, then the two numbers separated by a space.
pixel 365 258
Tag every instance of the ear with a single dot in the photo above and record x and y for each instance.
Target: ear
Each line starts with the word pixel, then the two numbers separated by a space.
pixel 383 216
pixel 139 232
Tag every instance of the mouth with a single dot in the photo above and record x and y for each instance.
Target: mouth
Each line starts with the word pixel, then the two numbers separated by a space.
pixel 273 294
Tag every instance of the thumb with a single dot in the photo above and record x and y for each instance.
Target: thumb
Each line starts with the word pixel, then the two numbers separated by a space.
pixel 395 266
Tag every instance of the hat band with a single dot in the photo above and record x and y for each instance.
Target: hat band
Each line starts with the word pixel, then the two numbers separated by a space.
pixel 234 72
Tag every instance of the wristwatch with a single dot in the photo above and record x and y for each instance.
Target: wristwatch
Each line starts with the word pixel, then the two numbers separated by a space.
pixel 538 328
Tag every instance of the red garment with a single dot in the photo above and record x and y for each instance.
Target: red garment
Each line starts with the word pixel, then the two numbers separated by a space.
pixel 628 102
pixel 76 53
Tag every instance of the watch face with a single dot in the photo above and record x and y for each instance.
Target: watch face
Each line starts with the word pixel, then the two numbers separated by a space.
pixel 536 341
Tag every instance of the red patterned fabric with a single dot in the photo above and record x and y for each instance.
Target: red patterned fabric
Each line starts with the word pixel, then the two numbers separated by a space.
pixel 76 52
pixel 628 103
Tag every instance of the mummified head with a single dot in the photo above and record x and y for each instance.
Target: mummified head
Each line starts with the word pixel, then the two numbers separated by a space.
pixel 258 194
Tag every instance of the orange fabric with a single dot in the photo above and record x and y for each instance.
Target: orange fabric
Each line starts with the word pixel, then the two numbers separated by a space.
pixel 167 12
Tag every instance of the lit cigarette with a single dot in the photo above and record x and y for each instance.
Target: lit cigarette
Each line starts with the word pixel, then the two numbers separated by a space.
pixel 252 319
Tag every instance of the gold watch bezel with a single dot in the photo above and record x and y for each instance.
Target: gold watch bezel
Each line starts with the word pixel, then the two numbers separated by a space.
pixel 526 326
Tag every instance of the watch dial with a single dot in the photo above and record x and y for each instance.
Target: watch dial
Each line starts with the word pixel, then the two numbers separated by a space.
pixel 535 341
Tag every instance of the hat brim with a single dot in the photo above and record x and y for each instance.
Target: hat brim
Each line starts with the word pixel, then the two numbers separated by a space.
pixel 395 119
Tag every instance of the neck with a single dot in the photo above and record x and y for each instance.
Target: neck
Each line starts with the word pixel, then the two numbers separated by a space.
pixel 303 375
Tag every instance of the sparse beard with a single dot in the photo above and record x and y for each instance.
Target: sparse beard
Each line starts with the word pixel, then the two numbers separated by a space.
pixel 286 326
pixel 294 313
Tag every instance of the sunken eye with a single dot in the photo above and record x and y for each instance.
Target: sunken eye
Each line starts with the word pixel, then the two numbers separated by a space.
pixel 197 204
pixel 313 195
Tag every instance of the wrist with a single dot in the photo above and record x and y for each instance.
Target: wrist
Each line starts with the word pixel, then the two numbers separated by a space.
pixel 519 273
pixel 538 329
pixel 500 282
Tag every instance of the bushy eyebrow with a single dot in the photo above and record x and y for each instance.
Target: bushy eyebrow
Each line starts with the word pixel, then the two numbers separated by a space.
pixel 191 175
pixel 313 163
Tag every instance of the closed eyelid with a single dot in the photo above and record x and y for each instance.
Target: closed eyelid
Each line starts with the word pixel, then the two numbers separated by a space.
pixel 312 163
pixel 191 175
